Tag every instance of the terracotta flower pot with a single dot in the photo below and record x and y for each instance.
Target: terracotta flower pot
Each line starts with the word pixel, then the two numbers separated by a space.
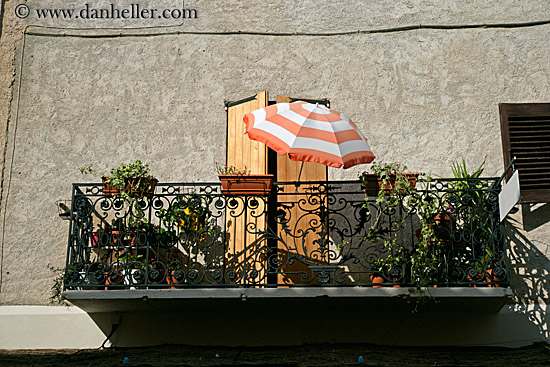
pixel 113 279
pixel 491 278
pixel 108 190
pixel 175 277
pixel 256 185
pixel 146 187
pixel 373 182
pixel 377 279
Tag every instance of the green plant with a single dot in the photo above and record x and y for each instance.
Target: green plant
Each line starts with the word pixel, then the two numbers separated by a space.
pixel 57 287
pixel 465 190
pixel 470 204
pixel 427 257
pixel 231 170
pixel 391 266
pixel 190 215
pixel 466 186
pixel 397 194
pixel 394 189
pixel 132 259
pixel 132 179
pixel 392 180
pixel 86 170
pixel 71 274
pixel 460 170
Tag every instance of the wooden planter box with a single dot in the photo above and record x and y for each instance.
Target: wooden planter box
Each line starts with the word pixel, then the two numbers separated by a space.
pixel 147 191
pixel 256 185
pixel 372 183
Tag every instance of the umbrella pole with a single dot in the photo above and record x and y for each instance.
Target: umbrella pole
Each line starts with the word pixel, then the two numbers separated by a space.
pixel 300 174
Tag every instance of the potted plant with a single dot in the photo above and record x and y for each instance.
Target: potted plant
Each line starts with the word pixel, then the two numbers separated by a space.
pixel 486 270
pixel 128 269
pixel 241 182
pixel 421 264
pixel 130 180
pixel 174 262
pixel 388 269
pixel 387 177
pixel 474 220
pixel 191 215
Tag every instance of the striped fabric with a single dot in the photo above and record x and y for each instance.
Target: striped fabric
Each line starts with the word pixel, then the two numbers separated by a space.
pixel 309 132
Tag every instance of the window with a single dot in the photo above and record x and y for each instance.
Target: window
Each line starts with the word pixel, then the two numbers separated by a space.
pixel 525 131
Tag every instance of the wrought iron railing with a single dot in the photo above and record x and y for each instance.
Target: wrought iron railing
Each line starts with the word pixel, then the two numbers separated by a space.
pixel 307 234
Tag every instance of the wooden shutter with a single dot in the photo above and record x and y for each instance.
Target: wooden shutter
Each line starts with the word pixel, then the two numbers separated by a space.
pixel 241 151
pixel 245 251
pixel 525 131
pixel 289 170
pixel 299 254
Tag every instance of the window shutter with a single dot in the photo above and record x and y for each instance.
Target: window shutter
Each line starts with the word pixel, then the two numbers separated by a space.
pixel 289 170
pixel 241 151
pixel 525 130
pixel 244 253
pixel 301 247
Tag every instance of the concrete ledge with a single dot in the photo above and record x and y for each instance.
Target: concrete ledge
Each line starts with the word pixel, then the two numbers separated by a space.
pixel 399 299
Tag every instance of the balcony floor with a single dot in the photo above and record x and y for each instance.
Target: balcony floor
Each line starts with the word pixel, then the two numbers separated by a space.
pixel 444 299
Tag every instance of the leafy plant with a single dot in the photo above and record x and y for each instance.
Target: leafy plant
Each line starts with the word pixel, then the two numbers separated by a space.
pixel 132 179
pixel 398 195
pixel 468 200
pixel 460 170
pixel 471 206
pixel 394 188
pixel 190 215
pixel 133 260
pixel 71 274
pixel 86 170
pixel 391 267
pixel 231 170
pixel 57 287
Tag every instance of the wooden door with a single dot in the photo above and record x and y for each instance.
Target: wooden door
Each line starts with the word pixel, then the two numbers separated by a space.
pixel 299 250
pixel 246 247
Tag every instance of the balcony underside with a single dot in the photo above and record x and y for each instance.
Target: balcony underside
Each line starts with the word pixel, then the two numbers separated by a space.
pixel 354 299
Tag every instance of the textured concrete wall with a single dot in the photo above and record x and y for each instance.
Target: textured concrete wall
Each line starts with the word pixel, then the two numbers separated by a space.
pixel 11 33
pixel 423 97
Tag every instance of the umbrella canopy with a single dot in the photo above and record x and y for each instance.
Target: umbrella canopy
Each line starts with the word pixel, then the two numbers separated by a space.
pixel 309 132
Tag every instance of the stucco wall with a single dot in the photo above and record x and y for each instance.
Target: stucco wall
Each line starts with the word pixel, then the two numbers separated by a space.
pixel 423 97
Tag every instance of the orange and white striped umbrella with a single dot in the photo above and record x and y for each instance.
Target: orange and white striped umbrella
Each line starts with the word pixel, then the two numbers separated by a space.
pixel 309 132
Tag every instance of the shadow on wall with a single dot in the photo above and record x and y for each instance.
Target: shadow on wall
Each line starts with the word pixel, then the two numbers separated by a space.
pixel 530 270
pixel 534 216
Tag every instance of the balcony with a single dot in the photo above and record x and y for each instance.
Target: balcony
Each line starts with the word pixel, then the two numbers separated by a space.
pixel 322 234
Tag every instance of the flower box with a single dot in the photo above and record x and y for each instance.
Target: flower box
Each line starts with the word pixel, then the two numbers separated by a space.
pixel 146 187
pixel 256 185
pixel 373 182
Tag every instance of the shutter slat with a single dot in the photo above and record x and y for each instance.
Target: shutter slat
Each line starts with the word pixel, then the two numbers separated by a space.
pixel 530 119
pixel 531 154
pixel 530 138
pixel 519 133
